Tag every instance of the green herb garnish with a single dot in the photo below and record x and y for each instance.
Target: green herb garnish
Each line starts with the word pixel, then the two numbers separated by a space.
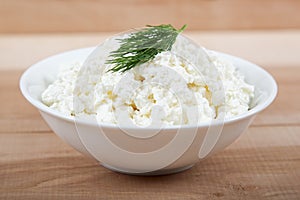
pixel 142 46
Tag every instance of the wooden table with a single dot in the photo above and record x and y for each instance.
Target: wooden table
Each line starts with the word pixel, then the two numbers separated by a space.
pixel 35 164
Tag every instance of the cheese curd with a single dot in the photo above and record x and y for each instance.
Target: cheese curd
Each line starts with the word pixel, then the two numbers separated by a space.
pixel 176 87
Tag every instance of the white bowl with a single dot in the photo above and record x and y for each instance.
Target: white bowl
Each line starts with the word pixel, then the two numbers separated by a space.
pixel 171 150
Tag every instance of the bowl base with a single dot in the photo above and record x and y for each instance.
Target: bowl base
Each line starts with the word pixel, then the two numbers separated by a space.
pixel 154 173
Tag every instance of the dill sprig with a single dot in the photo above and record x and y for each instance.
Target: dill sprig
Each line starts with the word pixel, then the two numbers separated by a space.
pixel 142 46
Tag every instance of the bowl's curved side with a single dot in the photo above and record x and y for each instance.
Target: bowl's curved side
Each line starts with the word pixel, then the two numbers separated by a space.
pixel 35 80
pixel 93 139
pixel 66 130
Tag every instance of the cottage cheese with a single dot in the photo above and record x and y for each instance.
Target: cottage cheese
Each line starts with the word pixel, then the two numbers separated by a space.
pixel 167 90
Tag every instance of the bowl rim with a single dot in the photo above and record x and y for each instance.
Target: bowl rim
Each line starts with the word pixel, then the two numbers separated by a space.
pixel 42 107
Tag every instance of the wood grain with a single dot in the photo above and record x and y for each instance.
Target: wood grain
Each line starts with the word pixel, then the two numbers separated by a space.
pixel 264 163
pixel 43 16
pixel 30 121
pixel 253 167
pixel 278 48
